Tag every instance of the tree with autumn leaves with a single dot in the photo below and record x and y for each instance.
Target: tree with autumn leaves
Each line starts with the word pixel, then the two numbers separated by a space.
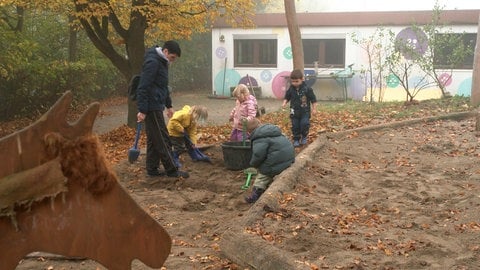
pixel 121 29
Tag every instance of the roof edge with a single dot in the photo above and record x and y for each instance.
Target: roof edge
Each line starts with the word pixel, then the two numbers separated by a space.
pixel 369 18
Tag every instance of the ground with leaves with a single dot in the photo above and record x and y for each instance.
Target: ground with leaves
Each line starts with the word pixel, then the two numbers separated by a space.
pixel 402 198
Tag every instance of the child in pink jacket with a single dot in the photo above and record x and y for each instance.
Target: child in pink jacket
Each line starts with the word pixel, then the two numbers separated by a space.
pixel 245 109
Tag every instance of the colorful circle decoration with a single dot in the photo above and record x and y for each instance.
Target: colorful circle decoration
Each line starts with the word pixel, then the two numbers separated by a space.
pixel 411 42
pixel 287 53
pixel 310 77
pixel 416 82
pixel 445 79
pixel 392 81
pixel 266 75
pixel 221 52
pixel 465 88
pixel 245 81
pixel 280 83
pixel 224 80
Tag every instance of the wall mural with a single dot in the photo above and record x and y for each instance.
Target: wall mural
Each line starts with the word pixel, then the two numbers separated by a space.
pixel 445 79
pixel 392 81
pixel 415 40
pixel 279 84
pixel 287 53
pixel 465 88
pixel 224 80
pixel 245 80
pixel 416 82
pixel 221 52
pixel 266 75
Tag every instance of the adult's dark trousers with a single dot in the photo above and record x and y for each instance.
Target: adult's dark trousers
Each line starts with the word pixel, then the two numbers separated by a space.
pixel 159 146
pixel 300 126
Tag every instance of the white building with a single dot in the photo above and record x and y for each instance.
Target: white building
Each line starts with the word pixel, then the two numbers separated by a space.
pixel 262 56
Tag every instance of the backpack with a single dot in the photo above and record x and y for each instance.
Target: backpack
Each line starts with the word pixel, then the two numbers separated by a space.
pixel 132 87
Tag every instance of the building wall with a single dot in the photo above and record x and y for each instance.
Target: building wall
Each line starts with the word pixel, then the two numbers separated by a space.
pixel 273 80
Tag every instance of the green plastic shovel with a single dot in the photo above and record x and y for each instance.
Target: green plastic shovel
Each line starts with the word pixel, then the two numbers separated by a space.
pixel 249 172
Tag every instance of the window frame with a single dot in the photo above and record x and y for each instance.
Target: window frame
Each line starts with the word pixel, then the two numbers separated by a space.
pixel 256 43
pixel 468 61
pixel 323 45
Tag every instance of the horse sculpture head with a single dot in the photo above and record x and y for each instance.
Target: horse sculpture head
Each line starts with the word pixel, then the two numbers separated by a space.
pixel 59 195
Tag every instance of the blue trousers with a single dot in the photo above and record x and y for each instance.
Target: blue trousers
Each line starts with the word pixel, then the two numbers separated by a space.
pixel 300 126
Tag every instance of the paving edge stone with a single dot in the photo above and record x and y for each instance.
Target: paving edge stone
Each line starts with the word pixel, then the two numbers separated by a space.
pixel 250 250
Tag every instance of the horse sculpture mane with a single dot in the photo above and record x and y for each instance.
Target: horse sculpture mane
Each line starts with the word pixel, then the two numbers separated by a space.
pixel 59 195
pixel 81 160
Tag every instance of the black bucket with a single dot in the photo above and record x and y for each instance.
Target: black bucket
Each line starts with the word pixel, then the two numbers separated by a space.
pixel 236 156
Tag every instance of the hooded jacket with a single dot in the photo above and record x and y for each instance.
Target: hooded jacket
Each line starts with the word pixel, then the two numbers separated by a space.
pixel 152 92
pixel 182 121
pixel 272 152
pixel 246 109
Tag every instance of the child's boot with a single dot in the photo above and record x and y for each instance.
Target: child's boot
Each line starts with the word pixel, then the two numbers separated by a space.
pixel 256 193
pixel 296 143
pixel 176 159
pixel 303 141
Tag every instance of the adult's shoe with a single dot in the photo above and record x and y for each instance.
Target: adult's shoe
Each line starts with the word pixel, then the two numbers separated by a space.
pixel 156 173
pixel 178 174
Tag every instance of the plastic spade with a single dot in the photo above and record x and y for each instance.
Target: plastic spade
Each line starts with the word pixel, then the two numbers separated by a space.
pixel 134 152
pixel 249 172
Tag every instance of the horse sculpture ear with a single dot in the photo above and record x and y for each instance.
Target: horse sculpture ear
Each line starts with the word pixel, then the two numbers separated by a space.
pixel 52 157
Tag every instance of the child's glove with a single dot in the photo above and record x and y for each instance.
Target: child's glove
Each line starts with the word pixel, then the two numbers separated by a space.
pixel 188 140
pixel 186 136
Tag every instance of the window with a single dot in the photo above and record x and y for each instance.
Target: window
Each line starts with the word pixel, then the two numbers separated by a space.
pixel 454 50
pixel 255 53
pixel 328 52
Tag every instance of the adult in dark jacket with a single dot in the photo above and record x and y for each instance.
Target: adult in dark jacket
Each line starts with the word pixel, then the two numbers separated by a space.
pixel 152 99
pixel 272 153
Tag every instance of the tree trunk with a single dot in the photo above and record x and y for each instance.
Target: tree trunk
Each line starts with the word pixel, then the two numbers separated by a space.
pixel 475 97
pixel 72 41
pixel 21 19
pixel 128 63
pixel 135 52
pixel 295 34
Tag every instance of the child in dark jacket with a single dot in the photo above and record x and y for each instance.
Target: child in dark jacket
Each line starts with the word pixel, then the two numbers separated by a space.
pixel 272 153
pixel 303 103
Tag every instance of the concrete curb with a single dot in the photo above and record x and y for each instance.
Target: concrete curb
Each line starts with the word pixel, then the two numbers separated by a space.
pixel 249 250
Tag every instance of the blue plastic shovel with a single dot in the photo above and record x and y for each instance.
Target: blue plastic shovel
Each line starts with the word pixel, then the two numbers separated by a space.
pixel 134 152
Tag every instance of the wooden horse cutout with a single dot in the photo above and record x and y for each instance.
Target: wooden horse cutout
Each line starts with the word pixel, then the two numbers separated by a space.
pixel 58 195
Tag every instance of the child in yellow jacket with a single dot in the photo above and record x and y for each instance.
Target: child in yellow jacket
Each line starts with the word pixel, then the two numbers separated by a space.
pixel 184 123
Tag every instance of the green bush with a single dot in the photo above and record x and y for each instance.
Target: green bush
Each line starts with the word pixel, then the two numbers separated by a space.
pixel 34 87
pixel 34 70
